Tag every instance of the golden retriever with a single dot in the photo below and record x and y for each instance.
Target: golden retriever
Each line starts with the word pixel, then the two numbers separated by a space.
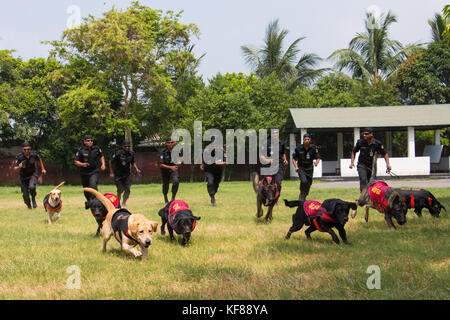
pixel 128 229
pixel 53 204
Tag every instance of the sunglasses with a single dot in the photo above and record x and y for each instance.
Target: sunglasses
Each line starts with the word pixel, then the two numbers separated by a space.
pixel 26 149
pixel 89 140
pixel 366 133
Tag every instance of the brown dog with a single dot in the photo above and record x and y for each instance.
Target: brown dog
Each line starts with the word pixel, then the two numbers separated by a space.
pixel 129 229
pixel 267 194
pixel 53 204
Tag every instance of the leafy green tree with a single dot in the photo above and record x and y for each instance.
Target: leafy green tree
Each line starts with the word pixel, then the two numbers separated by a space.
pixel 372 55
pixel 286 65
pixel 134 50
pixel 425 77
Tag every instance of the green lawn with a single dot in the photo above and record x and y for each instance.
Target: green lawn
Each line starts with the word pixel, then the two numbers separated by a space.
pixel 232 255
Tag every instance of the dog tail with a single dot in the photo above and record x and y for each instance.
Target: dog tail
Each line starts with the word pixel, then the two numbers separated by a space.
pixel 255 181
pixel 108 204
pixel 291 204
pixel 60 185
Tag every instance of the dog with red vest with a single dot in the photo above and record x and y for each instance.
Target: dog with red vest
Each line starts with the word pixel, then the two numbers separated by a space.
pixel 99 211
pixel 53 204
pixel 419 199
pixel 179 218
pixel 381 197
pixel 332 213
pixel 267 194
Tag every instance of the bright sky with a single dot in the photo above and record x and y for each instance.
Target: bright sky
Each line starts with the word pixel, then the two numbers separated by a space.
pixel 225 25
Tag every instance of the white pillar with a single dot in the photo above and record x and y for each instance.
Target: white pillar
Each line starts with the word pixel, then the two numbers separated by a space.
pixel 302 133
pixel 292 145
pixel 340 146
pixel 437 137
pixel 356 135
pixel 411 143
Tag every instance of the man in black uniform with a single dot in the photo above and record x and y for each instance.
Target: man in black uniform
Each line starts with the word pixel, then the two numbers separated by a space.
pixel 25 163
pixel 169 170
pixel 367 147
pixel 305 158
pixel 213 173
pixel 120 170
pixel 87 159
pixel 282 159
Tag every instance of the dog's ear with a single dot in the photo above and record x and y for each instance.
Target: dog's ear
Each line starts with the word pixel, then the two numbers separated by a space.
pixel 394 198
pixel 154 225
pixel 133 227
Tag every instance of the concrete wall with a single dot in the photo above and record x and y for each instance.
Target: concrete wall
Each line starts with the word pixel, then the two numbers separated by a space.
pixel 418 166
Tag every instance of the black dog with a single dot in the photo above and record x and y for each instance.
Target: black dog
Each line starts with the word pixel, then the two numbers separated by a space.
pixel 178 217
pixel 418 199
pixel 332 213
pixel 267 194
pixel 98 210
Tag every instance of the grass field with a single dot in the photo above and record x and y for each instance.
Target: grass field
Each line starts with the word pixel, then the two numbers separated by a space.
pixel 232 255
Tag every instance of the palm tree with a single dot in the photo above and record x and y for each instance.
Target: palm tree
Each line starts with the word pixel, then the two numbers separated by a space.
pixel 371 55
pixel 437 25
pixel 270 58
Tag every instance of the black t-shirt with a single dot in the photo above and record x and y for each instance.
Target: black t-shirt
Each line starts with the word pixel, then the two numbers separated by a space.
pixel 121 161
pixel 165 157
pixel 91 156
pixel 29 164
pixel 367 151
pixel 305 158
pixel 266 150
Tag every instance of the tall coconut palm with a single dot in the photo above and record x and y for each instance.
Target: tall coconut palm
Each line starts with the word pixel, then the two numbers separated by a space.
pixel 437 25
pixel 270 58
pixel 371 55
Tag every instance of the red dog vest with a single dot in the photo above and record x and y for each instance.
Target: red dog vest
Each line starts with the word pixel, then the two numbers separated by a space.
pixel 311 208
pixel 175 207
pixel 377 195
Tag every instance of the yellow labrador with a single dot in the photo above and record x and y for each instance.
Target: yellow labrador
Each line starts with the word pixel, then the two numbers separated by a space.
pixel 128 229
pixel 53 203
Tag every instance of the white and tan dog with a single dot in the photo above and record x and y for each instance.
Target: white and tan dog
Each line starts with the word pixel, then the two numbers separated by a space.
pixel 53 203
pixel 128 229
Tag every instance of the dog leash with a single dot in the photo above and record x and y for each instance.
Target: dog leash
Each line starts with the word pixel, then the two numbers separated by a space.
pixel 392 174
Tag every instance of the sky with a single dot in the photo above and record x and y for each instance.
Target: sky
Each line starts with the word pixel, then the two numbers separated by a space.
pixel 225 25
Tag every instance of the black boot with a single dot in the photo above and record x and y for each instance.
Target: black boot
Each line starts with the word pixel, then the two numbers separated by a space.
pixel 213 201
pixel 165 198
pixel 34 203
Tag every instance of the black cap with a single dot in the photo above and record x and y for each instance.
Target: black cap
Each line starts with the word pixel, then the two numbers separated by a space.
pixel 370 130
pixel 306 135
pixel 26 144
pixel 88 137
pixel 169 139
pixel 126 143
